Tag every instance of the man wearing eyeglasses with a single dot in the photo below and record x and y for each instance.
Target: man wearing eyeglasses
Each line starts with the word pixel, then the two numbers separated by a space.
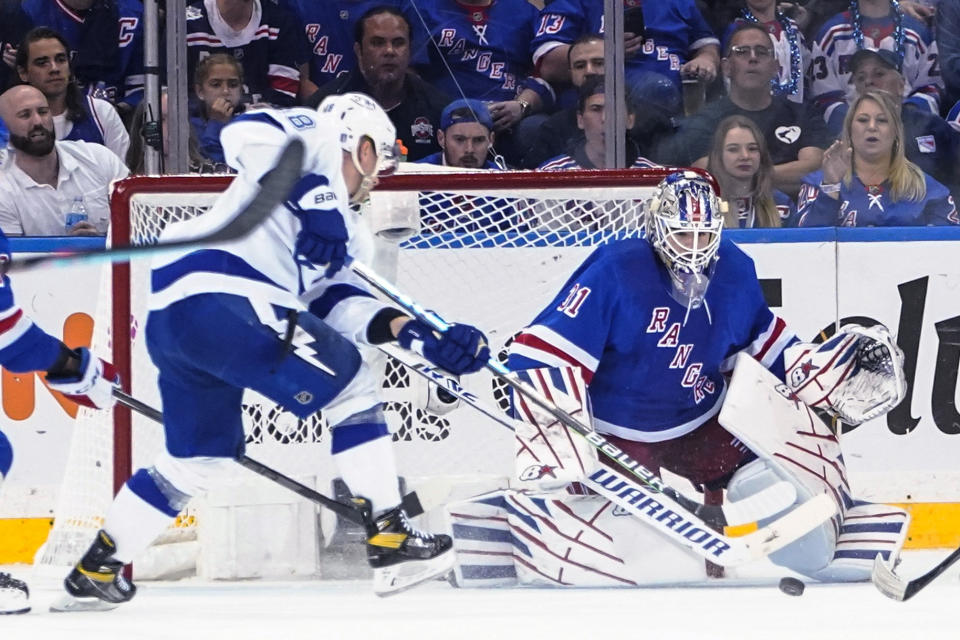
pixel 795 135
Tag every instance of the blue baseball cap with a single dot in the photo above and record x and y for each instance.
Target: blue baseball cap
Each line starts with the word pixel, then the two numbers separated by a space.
pixel 465 110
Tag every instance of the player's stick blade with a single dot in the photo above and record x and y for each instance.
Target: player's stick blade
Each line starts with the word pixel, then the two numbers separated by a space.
pixel 388 581
pixel 68 604
pixel 889 583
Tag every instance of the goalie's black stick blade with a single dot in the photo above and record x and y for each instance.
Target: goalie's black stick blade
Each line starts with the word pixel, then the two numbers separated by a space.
pixel 274 187
pixel 895 587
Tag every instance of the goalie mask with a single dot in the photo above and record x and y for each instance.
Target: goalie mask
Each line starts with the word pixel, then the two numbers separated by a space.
pixel 684 220
pixel 361 117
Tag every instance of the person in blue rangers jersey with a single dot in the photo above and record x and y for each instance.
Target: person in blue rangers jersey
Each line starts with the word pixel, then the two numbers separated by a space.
pixel 76 373
pixel 653 324
pixel 654 353
pixel 677 42
pixel 106 44
pixel 866 179
pixel 275 313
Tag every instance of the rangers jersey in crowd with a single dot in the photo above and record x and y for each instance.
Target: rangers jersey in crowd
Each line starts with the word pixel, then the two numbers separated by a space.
pixel 653 371
pixel 329 31
pixel 478 52
pixel 118 75
pixel 264 266
pixel 23 345
pixel 674 30
pixel 836 43
pixel 862 206
pixel 270 48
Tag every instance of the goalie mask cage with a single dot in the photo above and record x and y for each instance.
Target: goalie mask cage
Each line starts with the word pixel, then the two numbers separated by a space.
pixel 490 249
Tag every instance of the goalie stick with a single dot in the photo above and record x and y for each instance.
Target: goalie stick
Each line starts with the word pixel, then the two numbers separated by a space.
pixel 353 511
pixel 664 512
pixel 274 187
pixel 758 506
pixel 895 587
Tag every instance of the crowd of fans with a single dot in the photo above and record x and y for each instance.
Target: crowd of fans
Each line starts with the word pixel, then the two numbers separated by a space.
pixel 835 112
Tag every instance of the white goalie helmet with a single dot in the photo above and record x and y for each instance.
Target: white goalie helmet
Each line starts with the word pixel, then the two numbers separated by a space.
pixel 684 221
pixel 359 116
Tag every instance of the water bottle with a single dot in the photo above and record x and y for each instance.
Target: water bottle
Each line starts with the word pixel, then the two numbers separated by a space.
pixel 77 213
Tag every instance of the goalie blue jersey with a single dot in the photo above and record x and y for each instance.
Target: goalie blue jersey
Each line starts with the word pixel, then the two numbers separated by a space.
pixel 652 374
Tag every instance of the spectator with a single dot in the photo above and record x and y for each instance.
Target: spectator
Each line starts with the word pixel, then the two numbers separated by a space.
pixel 867 180
pixel 874 24
pixel 330 28
pixel 465 135
pixel 43 62
pixel 794 134
pixel 479 49
pixel 676 43
pixel 13 25
pixel 790 47
pixel 652 122
pixel 740 162
pixel 106 45
pixel 590 152
pixel 265 38
pixel 382 48
pixel 147 131
pixel 948 45
pixel 219 89
pixel 929 142
pixel 47 178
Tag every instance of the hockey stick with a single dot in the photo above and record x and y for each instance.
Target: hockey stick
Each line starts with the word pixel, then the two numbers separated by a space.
pixel 663 511
pixel 758 506
pixel 274 187
pixel 354 511
pixel 893 586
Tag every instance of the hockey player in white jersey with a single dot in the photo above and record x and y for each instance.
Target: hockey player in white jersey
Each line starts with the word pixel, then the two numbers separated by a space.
pixel 275 313
pixel 651 327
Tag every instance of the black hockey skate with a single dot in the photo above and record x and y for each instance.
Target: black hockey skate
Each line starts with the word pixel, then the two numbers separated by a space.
pixel 14 595
pixel 98 578
pixel 403 557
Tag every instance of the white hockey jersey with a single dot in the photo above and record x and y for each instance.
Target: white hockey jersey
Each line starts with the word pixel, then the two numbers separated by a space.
pixel 264 266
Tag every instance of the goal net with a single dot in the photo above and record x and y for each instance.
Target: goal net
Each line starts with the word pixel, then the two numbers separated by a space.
pixel 490 249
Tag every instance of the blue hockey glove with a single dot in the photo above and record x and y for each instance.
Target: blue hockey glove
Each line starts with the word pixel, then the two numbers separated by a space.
pixel 323 239
pixel 460 349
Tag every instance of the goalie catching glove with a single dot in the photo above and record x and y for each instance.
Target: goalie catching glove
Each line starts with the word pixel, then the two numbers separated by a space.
pixel 460 349
pixel 91 385
pixel 856 375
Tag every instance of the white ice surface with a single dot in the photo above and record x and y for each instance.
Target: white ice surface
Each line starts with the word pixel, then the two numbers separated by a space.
pixel 348 610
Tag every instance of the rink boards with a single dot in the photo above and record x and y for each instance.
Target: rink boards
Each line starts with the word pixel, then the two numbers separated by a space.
pixel 906 278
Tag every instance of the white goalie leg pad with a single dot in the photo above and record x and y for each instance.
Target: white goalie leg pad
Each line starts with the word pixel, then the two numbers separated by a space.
pixel 867 530
pixel 793 444
pixel 555 539
pixel 548 455
pixel 482 542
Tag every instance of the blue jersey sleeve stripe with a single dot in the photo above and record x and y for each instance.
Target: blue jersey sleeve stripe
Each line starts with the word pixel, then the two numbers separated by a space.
pixel 335 294
pixel 208 260
pixel 258 116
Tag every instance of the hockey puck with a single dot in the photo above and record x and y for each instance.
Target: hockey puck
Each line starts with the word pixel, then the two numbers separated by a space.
pixel 791 586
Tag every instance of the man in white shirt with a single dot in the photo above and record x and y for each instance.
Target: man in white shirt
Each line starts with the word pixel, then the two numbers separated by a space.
pixel 43 60
pixel 46 178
